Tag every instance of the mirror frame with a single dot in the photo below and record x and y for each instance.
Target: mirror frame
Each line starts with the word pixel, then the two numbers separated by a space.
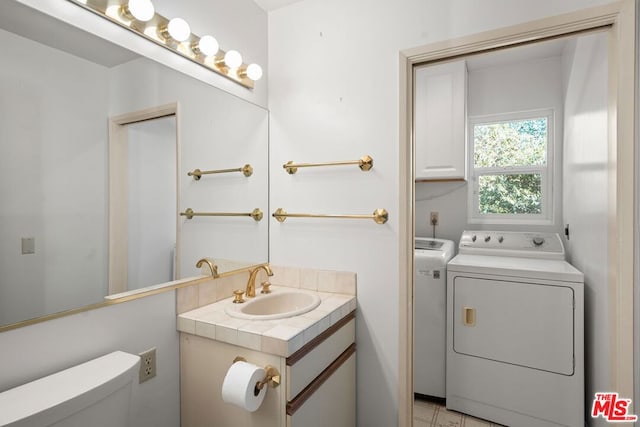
pixel 129 296
pixel 619 18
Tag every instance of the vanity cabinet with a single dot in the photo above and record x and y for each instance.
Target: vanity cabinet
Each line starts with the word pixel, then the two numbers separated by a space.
pixel 318 382
pixel 439 121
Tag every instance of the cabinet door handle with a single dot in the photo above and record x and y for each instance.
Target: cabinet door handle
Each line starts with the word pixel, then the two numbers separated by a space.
pixel 468 316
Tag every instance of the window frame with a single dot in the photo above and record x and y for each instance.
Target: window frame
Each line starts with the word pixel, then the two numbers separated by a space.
pixel 545 171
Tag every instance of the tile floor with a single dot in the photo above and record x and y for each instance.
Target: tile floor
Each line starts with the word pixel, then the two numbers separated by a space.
pixel 431 414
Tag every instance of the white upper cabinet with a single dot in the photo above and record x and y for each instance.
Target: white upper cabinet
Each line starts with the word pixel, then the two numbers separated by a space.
pixel 439 128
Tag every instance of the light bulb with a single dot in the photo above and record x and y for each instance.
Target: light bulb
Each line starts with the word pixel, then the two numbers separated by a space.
pixel 178 29
pixel 208 45
pixel 254 72
pixel 233 59
pixel 142 10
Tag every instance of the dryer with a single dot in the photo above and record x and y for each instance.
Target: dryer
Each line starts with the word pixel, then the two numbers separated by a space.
pixel 430 320
pixel 515 330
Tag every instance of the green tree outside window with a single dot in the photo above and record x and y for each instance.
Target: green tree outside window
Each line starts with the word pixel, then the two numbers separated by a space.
pixel 504 146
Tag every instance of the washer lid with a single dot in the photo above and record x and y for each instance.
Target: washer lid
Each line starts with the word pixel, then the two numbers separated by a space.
pixel 530 268
pixel 428 244
pixel 434 248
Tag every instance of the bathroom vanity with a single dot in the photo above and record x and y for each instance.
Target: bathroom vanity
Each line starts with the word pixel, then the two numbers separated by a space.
pixel 314 353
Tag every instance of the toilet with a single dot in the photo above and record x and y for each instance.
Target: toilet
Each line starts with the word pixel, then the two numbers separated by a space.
pixel 96 393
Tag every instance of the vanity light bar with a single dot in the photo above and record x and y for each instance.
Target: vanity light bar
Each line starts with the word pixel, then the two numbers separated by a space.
pixel 175 34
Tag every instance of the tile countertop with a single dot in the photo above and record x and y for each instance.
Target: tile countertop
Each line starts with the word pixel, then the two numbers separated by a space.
pixel 281 337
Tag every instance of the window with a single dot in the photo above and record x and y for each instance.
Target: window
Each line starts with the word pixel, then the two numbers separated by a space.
pixel 511 167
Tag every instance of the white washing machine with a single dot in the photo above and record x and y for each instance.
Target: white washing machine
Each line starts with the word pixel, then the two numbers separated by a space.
pixel 430 320
pixel 515 330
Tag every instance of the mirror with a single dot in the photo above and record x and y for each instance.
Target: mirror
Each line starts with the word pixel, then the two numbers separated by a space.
pixel 61 89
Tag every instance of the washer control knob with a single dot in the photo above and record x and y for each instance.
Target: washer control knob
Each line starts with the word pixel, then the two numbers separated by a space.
pixel 473 238
pixel 487 238
pixel 538 241
pixel 500 239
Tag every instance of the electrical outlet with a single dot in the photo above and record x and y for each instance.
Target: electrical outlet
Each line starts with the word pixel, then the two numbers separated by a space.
pixel 147 364
pixel 28 245
pixel 434 218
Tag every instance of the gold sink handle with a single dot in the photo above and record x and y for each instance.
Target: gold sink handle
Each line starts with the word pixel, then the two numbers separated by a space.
pixel 266 285
pixel 237 296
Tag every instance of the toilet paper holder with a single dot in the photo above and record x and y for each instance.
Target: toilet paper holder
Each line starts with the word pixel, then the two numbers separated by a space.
pixel 272 378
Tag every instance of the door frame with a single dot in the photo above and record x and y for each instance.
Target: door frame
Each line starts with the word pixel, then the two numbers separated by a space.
pixel 620 18
pixel 118 190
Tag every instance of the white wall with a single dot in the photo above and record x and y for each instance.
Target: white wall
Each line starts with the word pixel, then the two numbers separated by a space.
pixel 41 156
pixel 585 196
pixel 333 95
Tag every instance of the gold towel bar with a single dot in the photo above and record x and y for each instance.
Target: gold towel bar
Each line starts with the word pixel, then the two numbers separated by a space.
pixel 365 163
pixel 380 216
pixel 247 170
pixel 256 214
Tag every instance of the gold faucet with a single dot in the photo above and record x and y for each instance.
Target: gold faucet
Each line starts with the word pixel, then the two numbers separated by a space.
pixel 251 283
pixel 212 266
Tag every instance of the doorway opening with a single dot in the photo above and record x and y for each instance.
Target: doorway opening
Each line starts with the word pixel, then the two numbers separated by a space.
pixel 618 20
pixel 143 198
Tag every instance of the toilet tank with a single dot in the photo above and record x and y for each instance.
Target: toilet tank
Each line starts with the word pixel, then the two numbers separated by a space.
pixel 96 393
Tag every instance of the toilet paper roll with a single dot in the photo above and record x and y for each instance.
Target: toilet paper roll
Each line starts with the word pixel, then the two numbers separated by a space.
pixel 239 386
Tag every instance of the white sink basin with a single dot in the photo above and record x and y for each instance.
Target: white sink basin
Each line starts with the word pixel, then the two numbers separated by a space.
pixel 277 305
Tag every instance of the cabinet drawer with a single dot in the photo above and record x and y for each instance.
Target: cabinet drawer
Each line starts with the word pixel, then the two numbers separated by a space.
pixel 309 362
pixel 336 390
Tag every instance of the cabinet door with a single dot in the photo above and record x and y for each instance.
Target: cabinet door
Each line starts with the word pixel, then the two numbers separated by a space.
pixel 203 366
pixel 522 324
pixel 439 121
